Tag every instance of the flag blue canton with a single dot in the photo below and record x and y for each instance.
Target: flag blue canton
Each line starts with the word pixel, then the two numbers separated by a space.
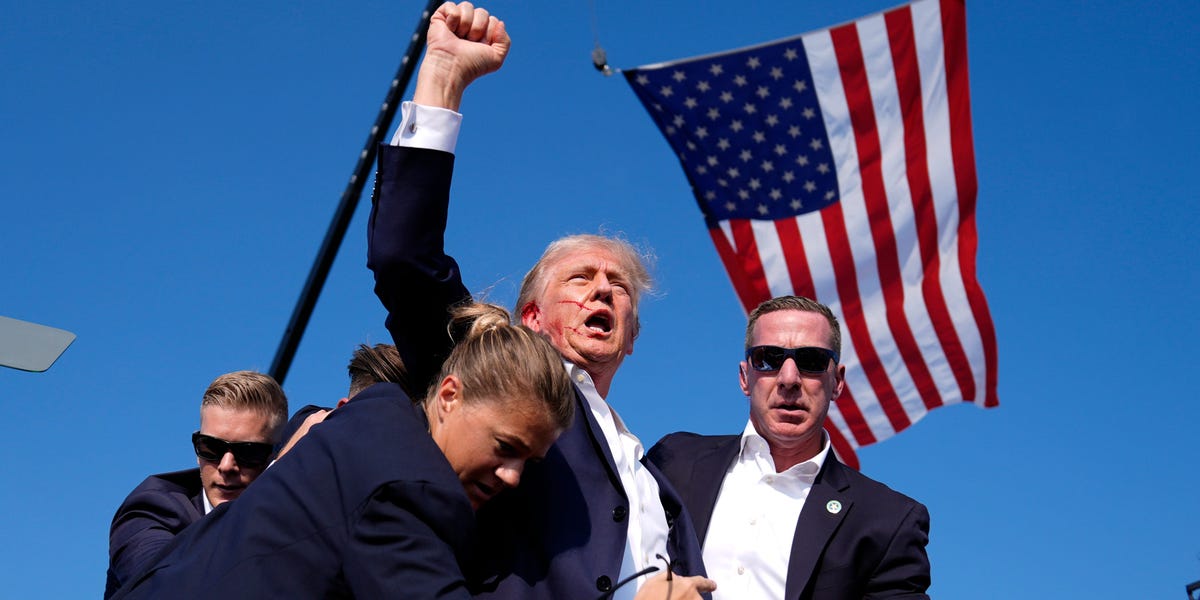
pixel 748 130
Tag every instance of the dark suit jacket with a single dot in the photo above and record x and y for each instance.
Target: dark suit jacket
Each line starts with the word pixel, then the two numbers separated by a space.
pixel 149 518
pixel 366 505
pixel 561 533
pixel 874 547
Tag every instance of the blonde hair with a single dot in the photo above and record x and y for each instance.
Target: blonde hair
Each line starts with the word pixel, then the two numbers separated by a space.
pixel 249 390
pixel 497 360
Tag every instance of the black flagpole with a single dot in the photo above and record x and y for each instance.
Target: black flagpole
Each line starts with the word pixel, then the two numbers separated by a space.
pixel 349 202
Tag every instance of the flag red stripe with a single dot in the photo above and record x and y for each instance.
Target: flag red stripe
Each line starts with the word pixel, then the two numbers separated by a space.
pixel 796 258
pixel 841 446
pixel 954 40
pixel 742 263
pixel 908 87
pixel 852 414
pixel 866 137
pixel 846 280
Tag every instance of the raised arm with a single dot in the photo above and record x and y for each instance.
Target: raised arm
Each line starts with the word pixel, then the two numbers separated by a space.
pixel 414 278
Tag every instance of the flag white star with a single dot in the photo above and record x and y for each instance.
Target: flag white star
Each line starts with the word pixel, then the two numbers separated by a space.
pixel 790 54
pixel 816 144
pixel 830 195
pixel 700 170
pixel 775 194
pixel 752 62
pixel 710 195
pixel 730 206
pixel 716 70
pixel 749 108
pixel 755 184
pixel 722 183
pixel 780 149
pixel 701 132
pixel 745 156
pixel 703 86
pixel 788 176
pixel 802 160
pixel 762 209
pixel 739 80
pixel 666 91
pixel 767 166
pixel 713 113
pixel 809 113
pixel 690 102
pixel 823 168
pixel 772 120
pixel 726 97
pixel 736 126
pixel 678 121
pixel 759 137
pixel 712 161
pixel 810 186
pixel 642 79
pixel 796 204
pixel 678 76
pixel 733 172
pixel 743 194
pixel 776 73
pixel 785 103
pixel 800 85
pixel 794 131
pixel 762 91
pixel 723 144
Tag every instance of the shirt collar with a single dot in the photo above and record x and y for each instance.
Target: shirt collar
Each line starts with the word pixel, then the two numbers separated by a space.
pixel 756 450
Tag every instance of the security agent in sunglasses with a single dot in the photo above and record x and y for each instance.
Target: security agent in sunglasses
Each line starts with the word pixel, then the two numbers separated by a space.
pixel 778 516
pixel 240 419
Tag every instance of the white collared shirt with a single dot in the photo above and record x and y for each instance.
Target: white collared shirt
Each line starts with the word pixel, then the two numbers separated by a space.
pixel 427 127
pixel 208 507
pixel 749 539
pixel 647 534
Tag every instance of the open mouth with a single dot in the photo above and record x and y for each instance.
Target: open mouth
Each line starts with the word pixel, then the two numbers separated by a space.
pixel 599 323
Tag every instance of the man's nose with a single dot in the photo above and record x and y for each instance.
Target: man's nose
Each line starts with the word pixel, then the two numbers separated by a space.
pixel 789 375
pixel 228 463
pixel 602 288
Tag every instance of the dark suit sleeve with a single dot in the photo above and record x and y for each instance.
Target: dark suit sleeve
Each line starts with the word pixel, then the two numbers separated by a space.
pixel 414 278
pixel 401 546
pixel 904 570
pixel 144 525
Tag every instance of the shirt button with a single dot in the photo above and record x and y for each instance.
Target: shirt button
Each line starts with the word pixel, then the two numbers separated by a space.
pixel 619 513
pixel 753 522
pixel 741 570
pixel 603 583
pixel 579 378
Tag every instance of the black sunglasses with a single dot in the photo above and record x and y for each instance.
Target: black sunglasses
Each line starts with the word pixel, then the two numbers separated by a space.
pixel 809 359
pixel 247 454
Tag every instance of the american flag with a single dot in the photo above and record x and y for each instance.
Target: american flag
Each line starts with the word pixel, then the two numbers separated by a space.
pixel 839 165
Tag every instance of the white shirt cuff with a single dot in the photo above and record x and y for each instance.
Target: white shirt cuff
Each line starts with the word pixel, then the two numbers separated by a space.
pixel 427 127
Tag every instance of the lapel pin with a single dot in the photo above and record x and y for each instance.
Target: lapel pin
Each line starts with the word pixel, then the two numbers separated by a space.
pixel 834 507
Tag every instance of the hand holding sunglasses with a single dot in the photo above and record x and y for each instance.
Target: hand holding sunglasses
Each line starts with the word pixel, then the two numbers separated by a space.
pixel 808 359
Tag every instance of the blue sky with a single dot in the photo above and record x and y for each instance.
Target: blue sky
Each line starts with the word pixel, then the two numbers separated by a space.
pixel 169 170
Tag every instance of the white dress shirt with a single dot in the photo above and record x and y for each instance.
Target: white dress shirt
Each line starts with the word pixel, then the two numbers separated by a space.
pixel 647 534
pixel 749 539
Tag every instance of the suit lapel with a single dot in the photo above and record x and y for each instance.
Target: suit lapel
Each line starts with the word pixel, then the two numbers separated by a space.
pixel 704 484
pixel 826 507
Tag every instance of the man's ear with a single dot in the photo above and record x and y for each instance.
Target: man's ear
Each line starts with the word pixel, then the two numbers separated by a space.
pixel 531 316
pixel 840 373
pixel 743 377
pixel 341 403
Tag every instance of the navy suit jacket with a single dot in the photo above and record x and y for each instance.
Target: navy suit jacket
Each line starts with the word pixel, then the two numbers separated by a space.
pixel 364 506
pixel 873 547
pixel 561 533
pixel 146 522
